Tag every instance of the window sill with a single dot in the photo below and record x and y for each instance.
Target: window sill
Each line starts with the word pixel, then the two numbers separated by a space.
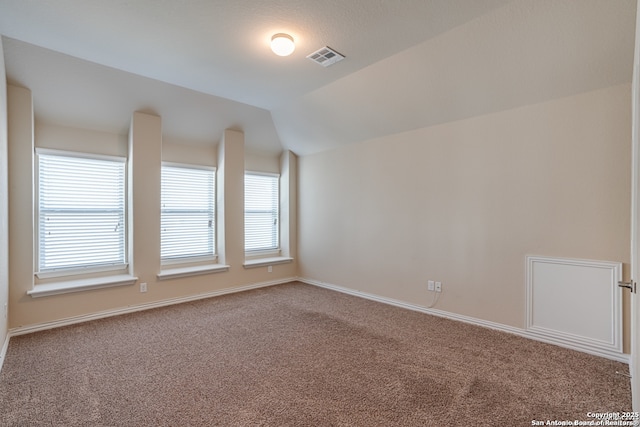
pixel 261 262
pixel 78 271
pixel 175 273
pixel 47 289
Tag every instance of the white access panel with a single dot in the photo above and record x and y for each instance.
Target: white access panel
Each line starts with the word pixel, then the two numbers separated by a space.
pixel 575 302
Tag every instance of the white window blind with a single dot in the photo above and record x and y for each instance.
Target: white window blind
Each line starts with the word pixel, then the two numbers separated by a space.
pixel 188 214
pixel 261 201
pixel 81 212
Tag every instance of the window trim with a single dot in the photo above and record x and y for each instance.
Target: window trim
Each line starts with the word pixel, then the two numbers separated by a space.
pixel 262 262
pixel 79 285
pixel 271 252
pixel 122 268
pixel 196 270
pixel 206 259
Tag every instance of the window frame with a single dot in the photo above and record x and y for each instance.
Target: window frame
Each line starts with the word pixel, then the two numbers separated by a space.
pixel 196 259
pixel 89 269
pixel 263 252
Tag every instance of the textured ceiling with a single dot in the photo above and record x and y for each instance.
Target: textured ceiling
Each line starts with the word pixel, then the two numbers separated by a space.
pixel 205 65
pixel 524 53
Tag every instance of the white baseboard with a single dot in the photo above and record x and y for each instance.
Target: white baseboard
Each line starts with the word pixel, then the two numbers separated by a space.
pixel 3 351
pixel 620 357
pixel 22 330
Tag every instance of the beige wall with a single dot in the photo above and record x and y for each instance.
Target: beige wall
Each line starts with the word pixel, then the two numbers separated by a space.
pixel 21 251
pixel 146 150
pixel 461 203
pixel 189 154
pixel 261 162
pixel 464 202
pixel 4 209
pixel 86 141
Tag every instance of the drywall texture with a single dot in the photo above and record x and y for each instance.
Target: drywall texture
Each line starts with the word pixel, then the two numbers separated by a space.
pixel 464 202
pixel 144 149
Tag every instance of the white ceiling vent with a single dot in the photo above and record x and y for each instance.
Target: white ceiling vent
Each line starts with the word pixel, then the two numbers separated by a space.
pixel 325 56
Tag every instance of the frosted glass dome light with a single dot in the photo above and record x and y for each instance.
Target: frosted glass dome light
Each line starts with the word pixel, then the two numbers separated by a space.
pixel 282 44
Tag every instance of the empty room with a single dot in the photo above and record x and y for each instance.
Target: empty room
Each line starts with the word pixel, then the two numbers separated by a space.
pixel 319 213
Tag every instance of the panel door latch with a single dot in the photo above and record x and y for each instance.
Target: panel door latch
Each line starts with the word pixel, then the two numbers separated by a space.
pixel 631 285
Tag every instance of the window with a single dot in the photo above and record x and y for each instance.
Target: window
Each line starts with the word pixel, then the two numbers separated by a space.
pixel 261 201
pixel 80 212
pixel 188 214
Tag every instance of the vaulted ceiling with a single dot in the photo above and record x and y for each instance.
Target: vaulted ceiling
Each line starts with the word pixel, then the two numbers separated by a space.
pixel 205 65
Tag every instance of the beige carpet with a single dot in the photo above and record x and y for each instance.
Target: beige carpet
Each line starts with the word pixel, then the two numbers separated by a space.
pixel 297 355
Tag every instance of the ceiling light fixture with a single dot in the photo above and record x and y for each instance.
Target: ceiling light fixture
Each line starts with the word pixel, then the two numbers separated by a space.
pixel 282 44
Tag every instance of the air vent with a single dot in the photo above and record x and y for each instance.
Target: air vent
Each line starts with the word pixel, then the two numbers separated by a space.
pixel 325 56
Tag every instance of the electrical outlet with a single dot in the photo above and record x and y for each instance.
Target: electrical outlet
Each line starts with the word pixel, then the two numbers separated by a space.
pixel 270 269
pixel 143 287
pixel 431 285
pixel 438 286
